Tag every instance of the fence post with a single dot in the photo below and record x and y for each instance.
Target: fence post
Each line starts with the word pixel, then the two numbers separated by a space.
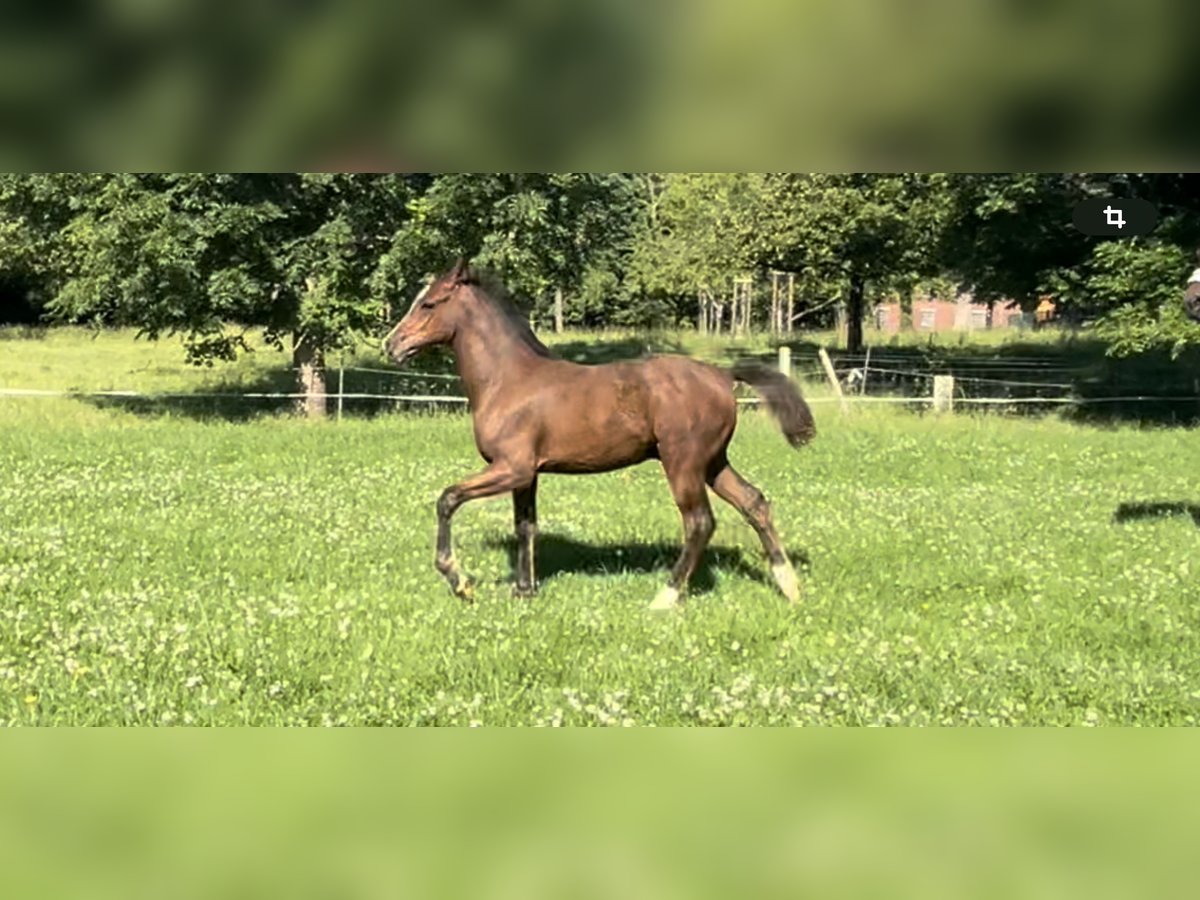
pixel 785 361
pixel 837 388
pixel 943 393
pixel 341 385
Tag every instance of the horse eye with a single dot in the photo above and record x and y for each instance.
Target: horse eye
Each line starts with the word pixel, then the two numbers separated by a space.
pixel 428 304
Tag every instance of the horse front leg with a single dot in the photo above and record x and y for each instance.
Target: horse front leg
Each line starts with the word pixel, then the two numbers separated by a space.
pixel 498 478
pixel 525 525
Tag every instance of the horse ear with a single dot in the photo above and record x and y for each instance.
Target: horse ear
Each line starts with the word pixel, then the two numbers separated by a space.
pixel 461 271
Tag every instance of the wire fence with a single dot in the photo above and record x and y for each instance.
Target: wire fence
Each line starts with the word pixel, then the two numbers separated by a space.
pixel 412 389
pixel 889 381
pixel 1091 385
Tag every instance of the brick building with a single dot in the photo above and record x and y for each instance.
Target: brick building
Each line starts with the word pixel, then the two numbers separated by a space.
pixel 962 314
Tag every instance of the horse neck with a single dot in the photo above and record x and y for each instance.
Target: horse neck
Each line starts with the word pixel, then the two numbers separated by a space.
pixel 490 350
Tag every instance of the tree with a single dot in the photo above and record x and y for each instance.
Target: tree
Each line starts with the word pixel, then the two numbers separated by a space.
pixel 699 235
pixel 33 210
pixel 1011 236
pixel 1007 235
pixel 542 233
pixel 849 231
pixel 207 256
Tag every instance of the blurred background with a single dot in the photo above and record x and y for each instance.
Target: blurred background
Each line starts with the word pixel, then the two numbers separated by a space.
pixel 649 815
pixel 1066 84
pixel 919 85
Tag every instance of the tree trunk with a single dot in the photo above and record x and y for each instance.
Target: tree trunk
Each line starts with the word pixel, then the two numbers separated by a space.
pixel 309 361
pixel 854 315
pixel 702 317
pixel 558 311
pixel 739 319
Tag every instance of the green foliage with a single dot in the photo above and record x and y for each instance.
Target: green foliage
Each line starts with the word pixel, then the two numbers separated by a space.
pixel 1011 236
pixel 1008 234
pixel 703 231
pixel 699 232
pixel 321 257
pixel 537 231
pixel 197 254
pixel 1138 287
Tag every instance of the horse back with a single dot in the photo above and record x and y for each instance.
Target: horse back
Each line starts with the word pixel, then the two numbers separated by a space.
pixel 576 418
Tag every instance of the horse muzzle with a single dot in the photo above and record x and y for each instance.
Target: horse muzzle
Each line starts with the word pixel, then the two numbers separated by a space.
pixel 403 354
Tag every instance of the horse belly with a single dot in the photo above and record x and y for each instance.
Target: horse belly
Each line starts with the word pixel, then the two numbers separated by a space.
pixel 595 446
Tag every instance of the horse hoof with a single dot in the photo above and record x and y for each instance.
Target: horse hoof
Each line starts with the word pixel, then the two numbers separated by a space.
pixel 464 590
pixel 785 577
pixel 667 599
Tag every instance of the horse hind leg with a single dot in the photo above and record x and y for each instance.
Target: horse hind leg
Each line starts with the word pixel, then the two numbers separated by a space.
pixel 750 502
pixel 698 526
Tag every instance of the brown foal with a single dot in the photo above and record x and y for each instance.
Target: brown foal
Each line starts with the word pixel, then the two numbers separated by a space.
pixel 533 412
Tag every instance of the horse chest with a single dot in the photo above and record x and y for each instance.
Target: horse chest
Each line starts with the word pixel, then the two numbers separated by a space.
pixel 493 434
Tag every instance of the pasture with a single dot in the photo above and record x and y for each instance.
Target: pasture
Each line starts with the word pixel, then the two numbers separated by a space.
pixel 164 567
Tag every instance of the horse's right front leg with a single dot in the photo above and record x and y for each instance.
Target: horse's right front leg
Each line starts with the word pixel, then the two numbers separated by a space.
pixel 498 478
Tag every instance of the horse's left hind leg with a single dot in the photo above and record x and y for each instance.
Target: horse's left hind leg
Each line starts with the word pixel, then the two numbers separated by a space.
pixel 698 525
pixel 750 502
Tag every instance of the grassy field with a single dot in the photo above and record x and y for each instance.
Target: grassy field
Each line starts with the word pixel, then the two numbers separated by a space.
pixel 176 568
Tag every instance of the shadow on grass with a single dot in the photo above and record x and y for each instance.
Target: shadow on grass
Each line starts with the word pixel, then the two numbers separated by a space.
pixel 557 555
pixel 1134 512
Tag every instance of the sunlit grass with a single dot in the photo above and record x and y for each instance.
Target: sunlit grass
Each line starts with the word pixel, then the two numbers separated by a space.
pixel 966 569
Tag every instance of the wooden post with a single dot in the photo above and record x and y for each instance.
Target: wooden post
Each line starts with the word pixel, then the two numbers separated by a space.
pixel 341 389
pixel 735 317
pixel 862 388
pixel 745 298
pixel 558 310
pixel 785 361
pixel 743 290
pixel 943 393
pixel 791 300
pixel 775 296
pixel 837 388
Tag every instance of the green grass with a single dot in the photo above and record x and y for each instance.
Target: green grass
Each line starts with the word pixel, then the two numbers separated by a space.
pixel 973 569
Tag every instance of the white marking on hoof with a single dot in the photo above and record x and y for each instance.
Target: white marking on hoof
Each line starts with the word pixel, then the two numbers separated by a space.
pixel 668 598
pixel 785 577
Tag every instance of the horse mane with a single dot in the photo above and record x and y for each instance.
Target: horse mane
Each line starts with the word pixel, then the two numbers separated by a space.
pixel 493 290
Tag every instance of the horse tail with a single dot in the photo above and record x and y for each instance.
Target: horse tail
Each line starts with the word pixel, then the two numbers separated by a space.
pixel 782 398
